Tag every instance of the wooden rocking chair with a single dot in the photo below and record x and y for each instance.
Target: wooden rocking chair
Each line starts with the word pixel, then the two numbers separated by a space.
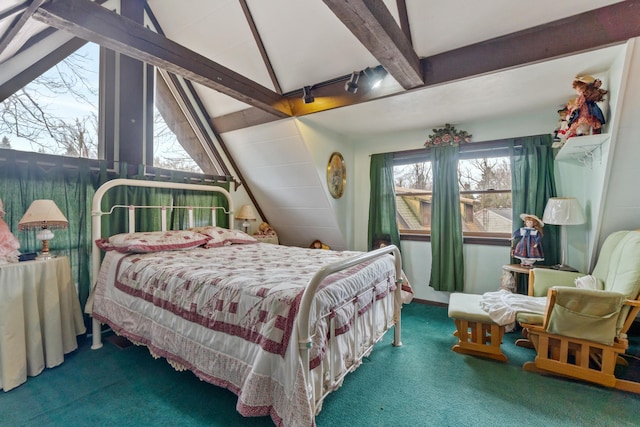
pixel 583 333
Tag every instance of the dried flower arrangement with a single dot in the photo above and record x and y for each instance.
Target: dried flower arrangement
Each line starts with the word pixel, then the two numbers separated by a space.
pixel 447 135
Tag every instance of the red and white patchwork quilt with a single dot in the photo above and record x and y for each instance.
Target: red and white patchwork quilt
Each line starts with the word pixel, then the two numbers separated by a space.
pixel 228 314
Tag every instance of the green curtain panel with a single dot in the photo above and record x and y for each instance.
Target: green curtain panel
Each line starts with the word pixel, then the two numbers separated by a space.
pixel 72 189
pixel 532 184
pixel 383 225
pixel 447 266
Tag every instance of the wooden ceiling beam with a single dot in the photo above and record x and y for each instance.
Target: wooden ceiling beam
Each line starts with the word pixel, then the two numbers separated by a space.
pixel 372 23
pixel 592 30
pixel 87 20
pixel 15 37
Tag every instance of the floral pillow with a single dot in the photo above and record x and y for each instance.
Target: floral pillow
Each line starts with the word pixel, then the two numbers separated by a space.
pixel 222 236
pixel 153 241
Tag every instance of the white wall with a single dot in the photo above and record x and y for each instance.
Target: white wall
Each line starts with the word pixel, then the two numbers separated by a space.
pixel 604 183
pixel 621 204
pixel 321 143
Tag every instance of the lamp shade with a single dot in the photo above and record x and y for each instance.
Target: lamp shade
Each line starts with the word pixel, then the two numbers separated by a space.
pixel 563 211
pixel 43 213
pixel 246 213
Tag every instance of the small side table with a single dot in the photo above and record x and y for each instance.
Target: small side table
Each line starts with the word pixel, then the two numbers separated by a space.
pixel 40 317
pixel 518 269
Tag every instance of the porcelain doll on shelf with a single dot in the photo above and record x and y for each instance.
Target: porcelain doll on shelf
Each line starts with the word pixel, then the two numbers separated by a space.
pixel 586 117
pixel 9 245
pixel 529 248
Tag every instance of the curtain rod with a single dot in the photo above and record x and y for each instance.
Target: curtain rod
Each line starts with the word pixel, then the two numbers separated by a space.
pixel 93 165
pixel 490 142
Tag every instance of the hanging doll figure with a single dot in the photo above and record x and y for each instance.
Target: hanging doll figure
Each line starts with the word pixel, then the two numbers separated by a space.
pixel 586 118
pixel 529 248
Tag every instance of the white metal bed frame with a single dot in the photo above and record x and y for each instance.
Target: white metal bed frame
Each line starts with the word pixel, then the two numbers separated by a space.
pixel 360 350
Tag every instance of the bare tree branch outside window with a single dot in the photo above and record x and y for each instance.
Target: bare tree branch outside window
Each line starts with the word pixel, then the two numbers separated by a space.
pixel 57 112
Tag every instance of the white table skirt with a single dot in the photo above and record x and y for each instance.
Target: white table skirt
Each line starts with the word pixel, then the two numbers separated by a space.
pixel 40 317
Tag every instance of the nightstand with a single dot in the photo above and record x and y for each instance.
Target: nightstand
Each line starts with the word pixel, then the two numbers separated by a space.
pixel 40 317
pixel 521 269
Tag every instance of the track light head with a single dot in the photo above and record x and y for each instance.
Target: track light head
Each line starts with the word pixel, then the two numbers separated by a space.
pixel 351 85
pixel 307 98
pixel 375 75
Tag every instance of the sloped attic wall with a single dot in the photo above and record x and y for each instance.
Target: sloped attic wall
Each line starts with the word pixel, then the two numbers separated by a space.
pixel 284 164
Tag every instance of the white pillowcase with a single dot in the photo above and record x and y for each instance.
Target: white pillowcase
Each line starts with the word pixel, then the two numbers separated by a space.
pixel 589 282
pixel 219 236
pixel 153 241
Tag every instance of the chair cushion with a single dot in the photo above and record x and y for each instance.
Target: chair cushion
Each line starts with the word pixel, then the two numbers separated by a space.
pixel 624 266
pixel 586 314
pixel 601 270
pixel 467 307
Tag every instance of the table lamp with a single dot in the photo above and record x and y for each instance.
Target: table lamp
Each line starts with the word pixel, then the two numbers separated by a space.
pixel 246 214
pixel 43 215
pixel 563 211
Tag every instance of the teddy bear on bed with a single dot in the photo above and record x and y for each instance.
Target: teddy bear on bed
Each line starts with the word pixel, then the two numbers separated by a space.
pixel 586 117
pixel 265 230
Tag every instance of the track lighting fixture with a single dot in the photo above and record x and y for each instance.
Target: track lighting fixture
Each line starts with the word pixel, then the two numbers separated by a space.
pixel 375 75
pixel 307 98
pixel 351 85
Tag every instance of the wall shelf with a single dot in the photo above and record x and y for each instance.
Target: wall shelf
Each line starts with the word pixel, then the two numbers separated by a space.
pixel 581 147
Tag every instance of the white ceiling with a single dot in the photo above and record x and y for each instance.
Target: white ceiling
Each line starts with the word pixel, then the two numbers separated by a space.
pixel 306 44
pixel 531 88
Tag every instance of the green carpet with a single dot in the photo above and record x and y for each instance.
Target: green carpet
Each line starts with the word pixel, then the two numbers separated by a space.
pixel 422 383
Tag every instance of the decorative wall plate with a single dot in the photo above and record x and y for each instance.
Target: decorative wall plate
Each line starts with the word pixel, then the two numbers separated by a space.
pixel 336 175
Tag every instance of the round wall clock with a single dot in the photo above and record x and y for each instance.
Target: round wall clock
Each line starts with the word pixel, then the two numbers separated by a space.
pixel 336 175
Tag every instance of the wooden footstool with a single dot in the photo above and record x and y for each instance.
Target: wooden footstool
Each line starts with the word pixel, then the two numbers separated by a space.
pixel 477 334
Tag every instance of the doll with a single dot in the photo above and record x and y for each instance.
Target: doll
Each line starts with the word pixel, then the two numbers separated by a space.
pixel 317 244
pixel 586 117
pixel 560 132
pixel 529 248
pixel 9 245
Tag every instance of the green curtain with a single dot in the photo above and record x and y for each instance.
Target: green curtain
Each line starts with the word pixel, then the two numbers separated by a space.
pixel 201 217
pixel 447 265
pixel 532 184
pixel 383 225
pixel 71 189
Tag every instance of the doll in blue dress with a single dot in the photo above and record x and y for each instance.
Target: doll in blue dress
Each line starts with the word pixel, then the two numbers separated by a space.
pixel 529 248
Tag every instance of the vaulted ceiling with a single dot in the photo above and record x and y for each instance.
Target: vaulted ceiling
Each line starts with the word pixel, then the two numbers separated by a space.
pixel 250 59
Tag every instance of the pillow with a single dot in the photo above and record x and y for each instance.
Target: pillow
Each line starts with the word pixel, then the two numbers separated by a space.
pixel 215 235
pixel 222 236
pixel 238 237
pixel 153 241
pixel 589 282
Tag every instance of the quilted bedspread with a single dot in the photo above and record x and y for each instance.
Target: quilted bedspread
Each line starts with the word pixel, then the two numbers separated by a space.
pixel 228 314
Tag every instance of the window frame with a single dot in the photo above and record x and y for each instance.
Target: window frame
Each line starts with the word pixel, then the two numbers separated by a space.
pixel 496 148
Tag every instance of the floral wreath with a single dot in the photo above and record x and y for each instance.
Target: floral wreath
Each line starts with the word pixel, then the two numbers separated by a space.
pixel 447 135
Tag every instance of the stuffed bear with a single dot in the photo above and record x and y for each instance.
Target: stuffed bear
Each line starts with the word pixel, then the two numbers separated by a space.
pixel 266 230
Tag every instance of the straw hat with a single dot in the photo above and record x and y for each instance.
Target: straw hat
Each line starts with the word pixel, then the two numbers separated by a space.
pixel 585 79
pixel 524 215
